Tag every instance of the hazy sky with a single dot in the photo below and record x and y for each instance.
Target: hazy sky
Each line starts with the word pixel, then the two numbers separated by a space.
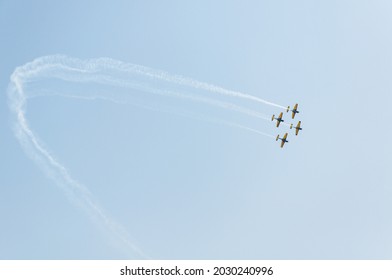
pixel 185 187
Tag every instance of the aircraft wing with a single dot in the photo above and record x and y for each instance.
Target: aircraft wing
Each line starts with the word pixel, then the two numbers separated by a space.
pixel 294 110
pixel 285 136
pixel 282 144
pixel 279 119
pixel 297 128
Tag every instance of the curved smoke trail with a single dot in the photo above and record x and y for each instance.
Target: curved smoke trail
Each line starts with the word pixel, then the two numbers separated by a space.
pixel 108 72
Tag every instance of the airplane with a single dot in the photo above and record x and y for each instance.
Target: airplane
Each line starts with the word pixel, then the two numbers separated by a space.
pixel 294 110
pixel 278 120
pixel 297 128
pixel 283 139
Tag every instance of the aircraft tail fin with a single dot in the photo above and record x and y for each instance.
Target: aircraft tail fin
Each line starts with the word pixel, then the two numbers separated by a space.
pixel 288 108
pixel 291 126
pixel 277 137
pixel 273 117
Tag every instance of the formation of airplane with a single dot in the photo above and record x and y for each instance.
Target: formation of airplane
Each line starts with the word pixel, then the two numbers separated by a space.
pixel 279 119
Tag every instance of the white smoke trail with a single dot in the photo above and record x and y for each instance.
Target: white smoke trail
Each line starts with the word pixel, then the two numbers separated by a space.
pixel 76 192
pixel 200 85
pixel 191 116
pixel 66 68
pixel 107 72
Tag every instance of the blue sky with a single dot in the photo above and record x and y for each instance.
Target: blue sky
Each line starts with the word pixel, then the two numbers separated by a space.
pixel 190 189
